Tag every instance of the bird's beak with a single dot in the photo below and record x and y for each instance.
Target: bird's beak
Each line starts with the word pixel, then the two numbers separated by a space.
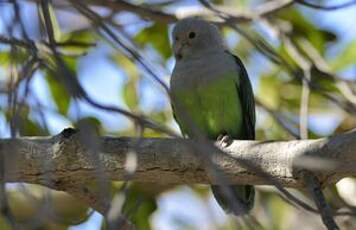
pixel 178 50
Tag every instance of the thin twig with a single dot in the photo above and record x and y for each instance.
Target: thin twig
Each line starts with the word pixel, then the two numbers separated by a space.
pixel 278 118
pixel 327 8
pixel 305 65
pixel 96 19
pixel 314 187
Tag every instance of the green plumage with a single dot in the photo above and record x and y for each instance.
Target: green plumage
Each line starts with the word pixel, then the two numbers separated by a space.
pixel 214 108
pixel 212 96
pixel 224 105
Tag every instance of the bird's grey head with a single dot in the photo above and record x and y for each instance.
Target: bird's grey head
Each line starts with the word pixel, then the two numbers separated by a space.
pixel 193 37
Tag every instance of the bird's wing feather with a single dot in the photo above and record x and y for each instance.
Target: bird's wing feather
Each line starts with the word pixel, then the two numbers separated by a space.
pixel 181 127
pixel 247 101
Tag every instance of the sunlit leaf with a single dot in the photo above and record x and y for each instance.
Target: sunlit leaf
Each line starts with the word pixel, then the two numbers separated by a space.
pixel 54 21
pixel 139 206
pixel 59 94
pixel 82 41
pixel 346 57
pixel 19 56
pixel 5 225
pixel 130 90
pixel 303 27
pixel 69 210
pixel 66 210
pixel 201 190
pixel 130 94
pixel 4 58
pixel 270 85
pixel 24 123
pixel 58 90
pixel 157 36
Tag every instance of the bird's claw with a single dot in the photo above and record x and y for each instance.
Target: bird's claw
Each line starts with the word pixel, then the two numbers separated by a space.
pixel 224 140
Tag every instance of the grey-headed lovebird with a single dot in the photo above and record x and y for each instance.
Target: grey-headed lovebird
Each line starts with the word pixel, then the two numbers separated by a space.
pixel 212 95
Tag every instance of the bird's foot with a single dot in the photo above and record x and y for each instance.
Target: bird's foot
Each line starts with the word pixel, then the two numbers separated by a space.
pixel 224 140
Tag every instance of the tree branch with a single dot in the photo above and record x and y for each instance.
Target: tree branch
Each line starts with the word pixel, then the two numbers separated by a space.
pixel 329 7
pixel 150 13
pixel 172 161
pixel 314 188
pixel 65 162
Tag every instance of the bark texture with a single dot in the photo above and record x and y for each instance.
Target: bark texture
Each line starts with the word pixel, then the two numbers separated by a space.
pixel 70 161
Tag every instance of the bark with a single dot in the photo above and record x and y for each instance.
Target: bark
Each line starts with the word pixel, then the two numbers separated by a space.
pixel 69 161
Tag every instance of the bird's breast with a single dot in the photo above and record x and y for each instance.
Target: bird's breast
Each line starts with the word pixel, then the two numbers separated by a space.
pixel 206 94
pixel 202 71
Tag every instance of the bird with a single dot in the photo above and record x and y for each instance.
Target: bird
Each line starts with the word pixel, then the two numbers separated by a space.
pixel 211 95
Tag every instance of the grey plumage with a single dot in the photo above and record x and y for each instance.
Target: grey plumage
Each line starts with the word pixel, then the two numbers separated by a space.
pixel 212 95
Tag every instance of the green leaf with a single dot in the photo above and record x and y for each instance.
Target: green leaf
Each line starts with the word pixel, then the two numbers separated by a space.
pixel 139 206
pixel 57 86
pixel 26 126
pixel 130 94
pixel 19 56
pixel 157 36
pixel 4 224
pixel 278 211
pixel 55 24
pixel 26 205
pixel 302 27
pixel 270 85
pixel 217 2
pixel 30 128
pixel 80 36
pixel 59 94
pixel 346 57
pixel 4 59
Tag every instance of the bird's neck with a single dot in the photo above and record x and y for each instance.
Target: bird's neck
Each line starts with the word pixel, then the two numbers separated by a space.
pixel 207 66
pixel 201 54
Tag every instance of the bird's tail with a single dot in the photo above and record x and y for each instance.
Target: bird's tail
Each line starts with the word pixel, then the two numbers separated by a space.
pixel 235 199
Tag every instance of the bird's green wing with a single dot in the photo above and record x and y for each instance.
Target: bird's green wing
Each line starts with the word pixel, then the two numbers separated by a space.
pixel 247 100
pixel 244 194
pixel 181 127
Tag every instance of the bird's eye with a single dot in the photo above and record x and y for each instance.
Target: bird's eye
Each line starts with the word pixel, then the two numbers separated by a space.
pixel 191 35
pixel 176 38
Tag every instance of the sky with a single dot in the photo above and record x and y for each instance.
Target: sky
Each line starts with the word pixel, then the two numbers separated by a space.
pixel 103 81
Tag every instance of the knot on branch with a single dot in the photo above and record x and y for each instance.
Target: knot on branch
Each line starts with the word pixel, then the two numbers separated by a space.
pixel 69 150
pixel 68 132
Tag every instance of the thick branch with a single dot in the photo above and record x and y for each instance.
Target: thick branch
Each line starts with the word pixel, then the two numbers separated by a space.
pixel 51 160
pixel 65 162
